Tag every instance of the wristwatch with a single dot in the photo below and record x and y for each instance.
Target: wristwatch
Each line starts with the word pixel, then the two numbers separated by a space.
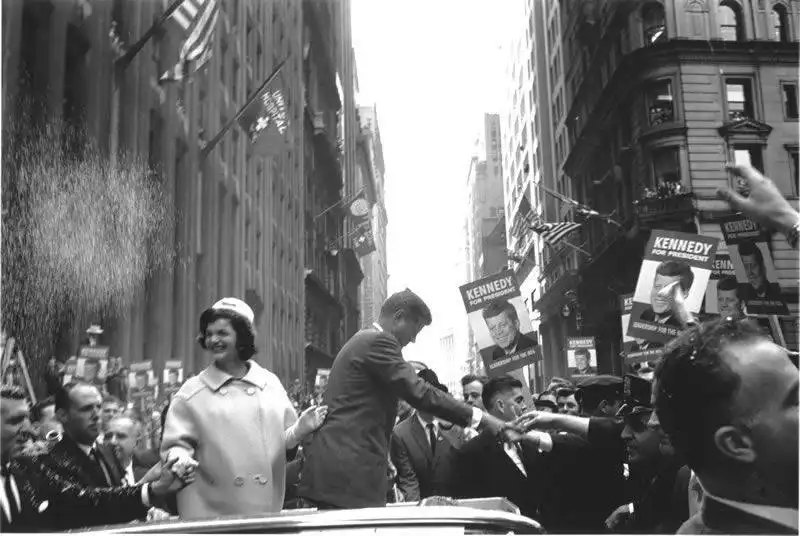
pixel 792 235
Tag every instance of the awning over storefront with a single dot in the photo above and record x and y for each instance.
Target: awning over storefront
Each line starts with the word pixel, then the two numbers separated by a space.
pixel 555 297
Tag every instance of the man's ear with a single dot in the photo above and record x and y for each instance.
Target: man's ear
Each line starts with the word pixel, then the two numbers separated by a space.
pixel 62 415
pixel 734 444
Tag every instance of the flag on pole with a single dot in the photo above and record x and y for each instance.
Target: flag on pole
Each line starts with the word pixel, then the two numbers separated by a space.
pixel 198 18
pixel 553 233
pixel 523 216
pixel 266 122
pixel 358 208
pixel 364 240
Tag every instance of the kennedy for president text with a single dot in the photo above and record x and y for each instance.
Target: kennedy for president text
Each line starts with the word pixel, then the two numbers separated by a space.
pixel 679 248
pixel 487 291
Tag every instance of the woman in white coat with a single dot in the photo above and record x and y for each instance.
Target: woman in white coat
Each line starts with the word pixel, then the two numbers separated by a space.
pixel 234 422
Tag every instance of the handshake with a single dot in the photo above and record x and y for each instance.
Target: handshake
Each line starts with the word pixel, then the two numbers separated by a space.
pixel 517 429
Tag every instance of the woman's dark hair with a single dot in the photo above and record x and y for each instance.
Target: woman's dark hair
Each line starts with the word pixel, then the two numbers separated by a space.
pixel 245 337
pixel 164 419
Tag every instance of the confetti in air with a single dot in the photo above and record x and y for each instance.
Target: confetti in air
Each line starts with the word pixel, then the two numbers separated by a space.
pixel 80 236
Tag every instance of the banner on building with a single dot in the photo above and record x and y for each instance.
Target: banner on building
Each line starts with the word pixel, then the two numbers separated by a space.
pixel 748 244
pixel 501 324
pixel 670 257
pixel 581 356
pixel 172 378
pixel 92 365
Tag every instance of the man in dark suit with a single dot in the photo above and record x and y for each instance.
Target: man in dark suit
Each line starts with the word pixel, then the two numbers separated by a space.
pixel 346 460
pixel 36 498
pixel 758 288
pixel 423 452
pixel 668 272
pixel 502 321
pixel 78 457
pixel 727 397
pixel 537 483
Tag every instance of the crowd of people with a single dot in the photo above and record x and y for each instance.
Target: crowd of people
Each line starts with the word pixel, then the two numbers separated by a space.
pixel 709 445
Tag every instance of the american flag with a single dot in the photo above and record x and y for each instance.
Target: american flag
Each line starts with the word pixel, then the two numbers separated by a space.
pixel 553 233
pixel 198 18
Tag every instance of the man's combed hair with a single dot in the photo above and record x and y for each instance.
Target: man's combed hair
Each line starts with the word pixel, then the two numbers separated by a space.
pixel 12 392
pixel 728 283
pixel 584 352
pixel 496 386
pixel 62 398
pixel 695 386
pixel 748 247
pixel 500 306
pixel 410 304
pixel 469 378
pixel 677 269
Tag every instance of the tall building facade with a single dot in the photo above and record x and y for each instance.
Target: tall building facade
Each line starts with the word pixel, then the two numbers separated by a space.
pixel 332 270
pixel 485 247
pixel 663 94
pixel 244 225
pixel 371 174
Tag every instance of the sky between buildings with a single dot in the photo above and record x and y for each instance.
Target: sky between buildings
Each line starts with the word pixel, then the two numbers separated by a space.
pixel 433 68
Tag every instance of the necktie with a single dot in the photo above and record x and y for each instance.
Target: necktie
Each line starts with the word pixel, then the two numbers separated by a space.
pixel 432 437
pixel 11 494
pixel 94 456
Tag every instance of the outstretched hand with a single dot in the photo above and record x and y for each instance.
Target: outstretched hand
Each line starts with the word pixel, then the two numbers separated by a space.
pixel 311 419
pixel 765 205
pixel 535 420
pixel 677 300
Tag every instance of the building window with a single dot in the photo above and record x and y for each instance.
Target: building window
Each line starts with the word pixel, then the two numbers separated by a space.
pixel 730 21
pixel 659 102
pixel 666 166
pixel 789 100
pixel 780 23
pixel 654 24
pixel 794 164
pixel 749 155
pixel 739 98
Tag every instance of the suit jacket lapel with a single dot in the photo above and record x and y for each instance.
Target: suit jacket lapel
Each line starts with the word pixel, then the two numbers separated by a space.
pixel 90 473
pixel 420 436
pixel 112 464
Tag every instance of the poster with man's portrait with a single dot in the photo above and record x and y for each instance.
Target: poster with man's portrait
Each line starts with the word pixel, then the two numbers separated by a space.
pixel 640 355
pixel 500 322
pixel 171 378
pixel 70 368
pixel 670 257
pixel 722 293
pixel 91 370
pixel 141 379
pixel 748 244
pixel 581 356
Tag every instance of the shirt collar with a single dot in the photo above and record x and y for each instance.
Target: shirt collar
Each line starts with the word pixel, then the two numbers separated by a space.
pixel 377 326
pixel 424 424
pixel 85 448
pixel 215 378
pixel 777 514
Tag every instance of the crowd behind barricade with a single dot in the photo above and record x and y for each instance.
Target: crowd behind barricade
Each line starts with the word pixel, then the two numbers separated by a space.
pixel 709 445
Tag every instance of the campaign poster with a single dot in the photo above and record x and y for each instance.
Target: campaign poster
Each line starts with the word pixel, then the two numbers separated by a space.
pixel 640 355
pixel 748 244
pixel 172 378
pixel 92 365
pixel 321 380
pixel 142 388
pixel 70 368
pixel 670 257
pixel 581 356
pixel 500 322
pixel 722 293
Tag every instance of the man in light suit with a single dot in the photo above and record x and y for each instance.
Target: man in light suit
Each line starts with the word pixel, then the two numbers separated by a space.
pixel 423 452
pixel 346 460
